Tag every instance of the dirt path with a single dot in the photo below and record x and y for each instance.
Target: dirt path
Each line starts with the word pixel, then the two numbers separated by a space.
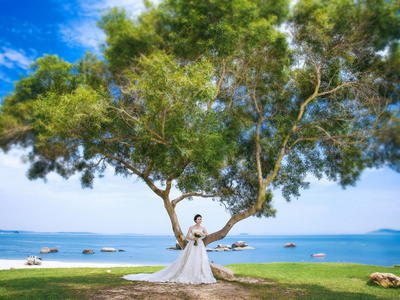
pixel 165 290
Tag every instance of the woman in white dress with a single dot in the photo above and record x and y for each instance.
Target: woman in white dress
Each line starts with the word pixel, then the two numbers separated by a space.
pixel 192 266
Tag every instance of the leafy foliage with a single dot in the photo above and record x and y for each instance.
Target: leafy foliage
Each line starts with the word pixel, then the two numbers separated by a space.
pixel 216 98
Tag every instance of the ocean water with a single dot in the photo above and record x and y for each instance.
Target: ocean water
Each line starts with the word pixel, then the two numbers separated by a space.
pixel 373 249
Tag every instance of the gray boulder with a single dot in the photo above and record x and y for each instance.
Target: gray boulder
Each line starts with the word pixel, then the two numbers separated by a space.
pixel 33 260
pixel 222 272
pixel 44 250
pixel 176 247
pixel 239 244
pixel 223 246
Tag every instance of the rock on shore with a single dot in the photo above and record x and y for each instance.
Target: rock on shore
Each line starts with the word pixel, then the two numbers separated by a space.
pixel 46 250
pixel 385 280
pixel 88 251
pixel 237 246
pixel 108 250
pixel 240 244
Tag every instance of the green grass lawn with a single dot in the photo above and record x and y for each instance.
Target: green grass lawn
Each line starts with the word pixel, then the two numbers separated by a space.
pixel 323 280
pixel 304 280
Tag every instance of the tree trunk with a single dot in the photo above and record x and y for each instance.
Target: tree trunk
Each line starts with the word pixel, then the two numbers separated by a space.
pixel 223 232
pixel 220 234
pixel 176 227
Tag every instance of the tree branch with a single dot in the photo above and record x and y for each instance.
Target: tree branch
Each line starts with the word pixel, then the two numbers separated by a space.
pixel 323 138
pixel 264 182
pixel 258 151
pixel 149 168
pixel 219 83
pixel 157 138
pixel 294 127
pixel 100 160
pixel 254 97
pixel 146 179
pixel 336 88
pixel 168 185
pixel 182 165
pixel 116 139
pixel 321 121
pixel 183 196
pixel 15 132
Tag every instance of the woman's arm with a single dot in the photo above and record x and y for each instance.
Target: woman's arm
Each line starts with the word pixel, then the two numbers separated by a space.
pixel 188 233
pixel 205 233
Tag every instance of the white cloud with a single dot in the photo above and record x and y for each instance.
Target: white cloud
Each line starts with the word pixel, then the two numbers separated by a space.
pixel 11 58
pixel 94 8
pixel 83 32
pixel 12 159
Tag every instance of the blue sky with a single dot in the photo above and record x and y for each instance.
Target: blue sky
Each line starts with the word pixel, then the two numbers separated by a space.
pixel 30 29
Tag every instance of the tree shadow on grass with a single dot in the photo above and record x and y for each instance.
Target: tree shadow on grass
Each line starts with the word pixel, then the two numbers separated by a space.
pixel 57 287
pixel 88 286
pixel 277 290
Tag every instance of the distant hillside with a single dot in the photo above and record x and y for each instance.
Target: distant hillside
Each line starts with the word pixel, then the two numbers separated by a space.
pixel 14 231
pixel 25 231
pixel 78 232
pixel 384 231
pixel 2 231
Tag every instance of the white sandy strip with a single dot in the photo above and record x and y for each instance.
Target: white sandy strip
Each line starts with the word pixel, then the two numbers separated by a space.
pixel 6 264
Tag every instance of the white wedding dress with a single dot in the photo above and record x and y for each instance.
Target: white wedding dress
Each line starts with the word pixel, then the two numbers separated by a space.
pixel 192 266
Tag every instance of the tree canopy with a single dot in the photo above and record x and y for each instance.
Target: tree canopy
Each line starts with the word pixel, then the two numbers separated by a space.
pixel 224 99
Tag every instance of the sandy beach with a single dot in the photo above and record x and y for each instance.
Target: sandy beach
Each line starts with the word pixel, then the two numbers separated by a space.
pixel 6 264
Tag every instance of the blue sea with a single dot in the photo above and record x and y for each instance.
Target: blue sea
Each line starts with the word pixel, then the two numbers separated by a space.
pixel 372 249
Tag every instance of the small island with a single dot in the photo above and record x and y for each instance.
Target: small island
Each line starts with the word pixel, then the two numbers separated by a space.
pixel 384 231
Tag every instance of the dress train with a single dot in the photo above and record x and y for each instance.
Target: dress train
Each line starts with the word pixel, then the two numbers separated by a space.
pixel 192 266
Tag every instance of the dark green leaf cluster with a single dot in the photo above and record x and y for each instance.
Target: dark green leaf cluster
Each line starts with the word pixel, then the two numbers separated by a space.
pixel 54 110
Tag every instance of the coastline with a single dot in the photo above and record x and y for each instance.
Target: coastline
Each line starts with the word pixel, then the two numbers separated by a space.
pixel 6 264
pixel 372 249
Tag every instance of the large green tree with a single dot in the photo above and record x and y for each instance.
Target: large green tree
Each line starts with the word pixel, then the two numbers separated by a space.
pixel 224 99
